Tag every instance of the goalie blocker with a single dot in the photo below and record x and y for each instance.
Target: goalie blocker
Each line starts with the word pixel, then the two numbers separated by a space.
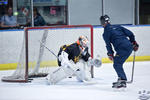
pixel 75 60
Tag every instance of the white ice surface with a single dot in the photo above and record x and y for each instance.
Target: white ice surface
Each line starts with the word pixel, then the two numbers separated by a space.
pixel 70 89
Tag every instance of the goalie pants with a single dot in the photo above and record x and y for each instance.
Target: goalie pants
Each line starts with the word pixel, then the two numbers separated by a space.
pixel 124 52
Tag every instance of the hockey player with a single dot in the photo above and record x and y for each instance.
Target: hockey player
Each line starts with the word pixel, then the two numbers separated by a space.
pixel 123 41
pixel 73 59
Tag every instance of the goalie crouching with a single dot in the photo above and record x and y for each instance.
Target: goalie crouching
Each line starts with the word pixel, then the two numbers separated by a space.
pixel 74 60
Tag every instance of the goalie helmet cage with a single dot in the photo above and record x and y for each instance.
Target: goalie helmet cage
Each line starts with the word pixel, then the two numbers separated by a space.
pixel 34 57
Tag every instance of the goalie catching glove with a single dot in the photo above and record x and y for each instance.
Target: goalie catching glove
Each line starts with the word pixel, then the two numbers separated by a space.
pixel 94 62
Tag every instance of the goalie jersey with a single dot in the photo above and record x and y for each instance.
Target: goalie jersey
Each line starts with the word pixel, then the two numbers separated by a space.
pixel 74 53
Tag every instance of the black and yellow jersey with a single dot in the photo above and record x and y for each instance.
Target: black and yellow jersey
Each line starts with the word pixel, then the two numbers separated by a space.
pixel 74 53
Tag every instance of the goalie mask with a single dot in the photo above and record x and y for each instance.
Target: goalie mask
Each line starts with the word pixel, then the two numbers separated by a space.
pixel 83 41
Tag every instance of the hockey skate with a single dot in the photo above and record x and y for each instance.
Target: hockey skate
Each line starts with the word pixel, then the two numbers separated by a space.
pixel 119 84
pixel 117 81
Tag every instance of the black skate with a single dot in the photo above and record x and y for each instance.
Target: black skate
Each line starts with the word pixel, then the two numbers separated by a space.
pixel 119 84
pixel 119 79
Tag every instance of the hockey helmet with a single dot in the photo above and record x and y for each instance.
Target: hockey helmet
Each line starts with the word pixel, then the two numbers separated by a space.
pixel 104 19
pixel 83 41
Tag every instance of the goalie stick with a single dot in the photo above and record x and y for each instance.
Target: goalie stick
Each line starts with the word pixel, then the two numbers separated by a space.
pixel 49 49
pixel 132 69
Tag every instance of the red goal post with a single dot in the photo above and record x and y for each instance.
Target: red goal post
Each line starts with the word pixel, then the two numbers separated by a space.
pixel 34 56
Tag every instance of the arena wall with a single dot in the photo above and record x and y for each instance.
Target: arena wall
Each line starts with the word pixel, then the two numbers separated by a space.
pixel 11 42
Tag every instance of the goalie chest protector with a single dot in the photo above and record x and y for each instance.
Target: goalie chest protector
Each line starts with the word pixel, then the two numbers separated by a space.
pixel 74 52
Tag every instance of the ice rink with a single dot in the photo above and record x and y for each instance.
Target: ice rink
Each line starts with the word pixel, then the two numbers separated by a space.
pixel 71 89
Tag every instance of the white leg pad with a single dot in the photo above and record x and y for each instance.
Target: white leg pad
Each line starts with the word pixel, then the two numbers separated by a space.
pixel 59 74
pixel 83 74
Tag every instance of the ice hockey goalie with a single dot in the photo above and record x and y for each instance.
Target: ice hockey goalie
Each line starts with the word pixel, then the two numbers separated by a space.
pixel 74 60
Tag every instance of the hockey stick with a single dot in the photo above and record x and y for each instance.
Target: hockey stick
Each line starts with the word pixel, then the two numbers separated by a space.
pixel 132 69
pixel 49 49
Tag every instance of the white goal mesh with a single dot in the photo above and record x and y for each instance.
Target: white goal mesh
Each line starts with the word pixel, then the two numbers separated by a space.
pixel 35 59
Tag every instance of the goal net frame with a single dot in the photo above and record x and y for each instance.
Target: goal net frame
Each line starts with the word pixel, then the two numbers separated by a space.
pixel 26 37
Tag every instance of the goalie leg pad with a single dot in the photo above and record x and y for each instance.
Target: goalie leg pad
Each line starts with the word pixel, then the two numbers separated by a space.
pixel 59 74
pixel 83 73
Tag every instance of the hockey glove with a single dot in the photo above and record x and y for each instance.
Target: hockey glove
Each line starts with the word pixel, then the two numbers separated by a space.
pixel 111 57
pixel 135 46
pixel 94 62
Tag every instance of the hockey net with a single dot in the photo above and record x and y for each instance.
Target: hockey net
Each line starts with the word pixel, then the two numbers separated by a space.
pixel 35 60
